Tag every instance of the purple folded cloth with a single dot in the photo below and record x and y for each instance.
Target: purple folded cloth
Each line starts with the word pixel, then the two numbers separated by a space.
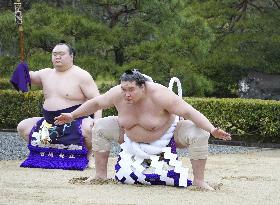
pixel 21 78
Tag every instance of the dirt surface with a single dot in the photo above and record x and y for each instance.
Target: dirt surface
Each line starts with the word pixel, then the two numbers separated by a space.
pixel 252 178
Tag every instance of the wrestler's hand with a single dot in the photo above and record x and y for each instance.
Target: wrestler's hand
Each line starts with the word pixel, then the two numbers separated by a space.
pixel 220 134
pixel 63 119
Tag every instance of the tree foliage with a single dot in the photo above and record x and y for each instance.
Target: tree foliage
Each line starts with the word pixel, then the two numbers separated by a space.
pixel 210 45
pixel 247 38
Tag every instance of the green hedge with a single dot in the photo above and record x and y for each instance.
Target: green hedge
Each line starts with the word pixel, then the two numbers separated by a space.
pixel 8 65
pixel 5 84
pixel 252 120
pixel 16 106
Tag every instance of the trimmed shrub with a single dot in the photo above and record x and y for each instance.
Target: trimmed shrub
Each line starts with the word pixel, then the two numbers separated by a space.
pixel 8 65
pixel 249 120
pixel 5 84
pixel 16 106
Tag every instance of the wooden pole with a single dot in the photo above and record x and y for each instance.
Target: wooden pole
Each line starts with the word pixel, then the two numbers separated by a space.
pixel 19 22
pixel 21 44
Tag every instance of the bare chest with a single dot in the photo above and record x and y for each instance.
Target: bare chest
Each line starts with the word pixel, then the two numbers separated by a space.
pixel 61 86
pixel 150 117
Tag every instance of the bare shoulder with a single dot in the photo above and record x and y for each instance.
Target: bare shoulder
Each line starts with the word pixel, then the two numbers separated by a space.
pixel 156 90
pixel 161 95
pixel 82 74
pixel 114 94
pixel 115 91
pixel 45 70
pixel 42 72
pixel 37 77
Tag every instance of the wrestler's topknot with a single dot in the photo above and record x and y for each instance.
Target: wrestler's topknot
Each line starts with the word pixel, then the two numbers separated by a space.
pixel 134 75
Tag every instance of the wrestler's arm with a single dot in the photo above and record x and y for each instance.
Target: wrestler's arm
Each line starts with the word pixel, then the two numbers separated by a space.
pixel 35 76
pixel 176 105
pixel 89 107
pixel 90 90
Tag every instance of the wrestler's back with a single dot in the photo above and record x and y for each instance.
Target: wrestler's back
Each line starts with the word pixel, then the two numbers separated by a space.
pixel 62 89
pixel 145 122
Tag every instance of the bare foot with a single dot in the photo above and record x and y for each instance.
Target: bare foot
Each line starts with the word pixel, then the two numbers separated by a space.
pixel 203 185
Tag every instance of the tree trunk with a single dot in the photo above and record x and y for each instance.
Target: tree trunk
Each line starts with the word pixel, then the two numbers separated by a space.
pixel 119 55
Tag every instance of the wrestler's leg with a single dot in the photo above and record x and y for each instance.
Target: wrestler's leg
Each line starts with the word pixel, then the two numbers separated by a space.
pixel 25 126
pixel 86 127
pixel 105 130
pixel 196 139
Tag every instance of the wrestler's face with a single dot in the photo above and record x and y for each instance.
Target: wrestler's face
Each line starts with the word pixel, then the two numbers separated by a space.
pixel 131 92
pixel 61 58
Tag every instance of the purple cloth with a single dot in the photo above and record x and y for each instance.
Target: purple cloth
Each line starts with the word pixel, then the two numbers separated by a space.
pixel 66 149
pixel 21 78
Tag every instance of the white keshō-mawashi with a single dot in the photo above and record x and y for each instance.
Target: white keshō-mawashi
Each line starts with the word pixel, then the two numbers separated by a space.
pixel 133 154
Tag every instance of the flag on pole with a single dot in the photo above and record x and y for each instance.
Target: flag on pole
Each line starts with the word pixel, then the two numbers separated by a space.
pixel 20 78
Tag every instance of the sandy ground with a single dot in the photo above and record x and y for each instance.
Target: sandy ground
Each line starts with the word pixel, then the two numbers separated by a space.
pixel 252 178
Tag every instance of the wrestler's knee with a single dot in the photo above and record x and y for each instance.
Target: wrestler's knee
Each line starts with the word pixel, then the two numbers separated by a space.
pixel 99 125
pixel 108 127
pixel 99 141
pixel 104 131
pixel 25 127
pixel 196 139
pixel 21 128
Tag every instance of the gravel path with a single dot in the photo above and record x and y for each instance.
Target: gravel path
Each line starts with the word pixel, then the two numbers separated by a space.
pixel 12 147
